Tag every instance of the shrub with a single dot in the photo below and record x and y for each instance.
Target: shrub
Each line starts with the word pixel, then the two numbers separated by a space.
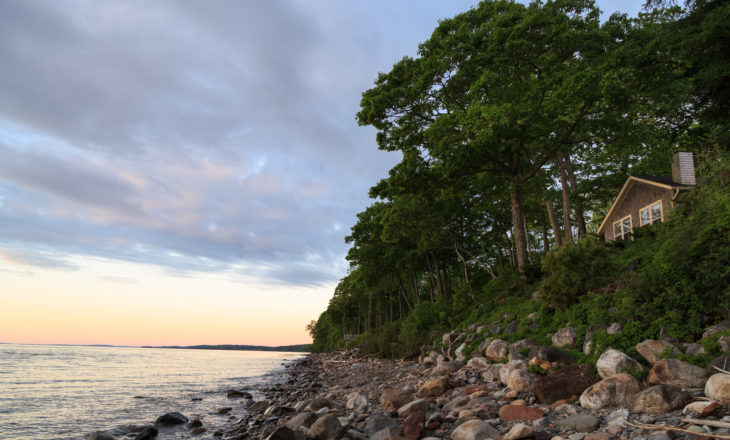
pixel 574 269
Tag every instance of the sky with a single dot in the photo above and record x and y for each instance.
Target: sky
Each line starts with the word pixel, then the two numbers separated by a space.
pixel 180 173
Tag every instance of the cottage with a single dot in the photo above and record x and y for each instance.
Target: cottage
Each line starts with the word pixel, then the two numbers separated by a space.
pixel 645 200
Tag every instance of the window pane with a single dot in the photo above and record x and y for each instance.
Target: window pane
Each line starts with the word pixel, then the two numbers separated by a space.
pixel 617 230
pixel 656 212
pixel 645 219
pixel 627 225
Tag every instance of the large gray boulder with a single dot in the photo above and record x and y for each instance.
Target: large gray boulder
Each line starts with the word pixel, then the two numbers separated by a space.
pixel 565 337
pixel 616 391
pixel 327 427
pixel 477 363
pixel 652 350
pixel 678 374
pixel 614 362
pixel 497 350
pixel 474 430
pixel 509 367
pixel 659 399
pixel 718 388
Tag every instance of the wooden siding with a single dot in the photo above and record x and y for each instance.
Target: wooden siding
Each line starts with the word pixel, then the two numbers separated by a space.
pixel 638 196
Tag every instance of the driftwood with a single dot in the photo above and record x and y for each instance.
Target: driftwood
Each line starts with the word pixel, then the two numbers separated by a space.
pixel 686 431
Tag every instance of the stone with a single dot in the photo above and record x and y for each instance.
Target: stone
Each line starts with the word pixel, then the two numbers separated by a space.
pixel 651 349
pixel 723 343
pixel 224 410
pixel 474 430
pixel 659 399
pixel 718 388
pixel 506 370
pixel 521 380
pixel 579 422
pixel 237 394
pixel 357 403
pixel 569 381
pixel 149 432
pixel 171 418
pixel 419 405
pixel 433 388
pixel 279 411
pixel 483 346
pixel 677 373
pixel 614 362
pixel 703 408
pixel 565 337
pixel 477 363
pixel 615 329
pixel 393 398
pixel 512 327
pixel 598 436
pixel 443 368
pixel 325 428
pixel 612 392
pixel 195 423
pixel 456 404
pixel 659 435
pixel 375 423
pixel 460 352
pixel 717 328
pixel 282 433
pixel 305 419
pixel 497 350
pixel 491 373
pixel 693 349
pixel 519 431
pixel 391 432
pixel 520 413
pixel 316 404
pixel 413 425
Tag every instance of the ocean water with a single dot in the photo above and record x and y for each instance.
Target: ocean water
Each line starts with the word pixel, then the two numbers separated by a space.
pixel 66 392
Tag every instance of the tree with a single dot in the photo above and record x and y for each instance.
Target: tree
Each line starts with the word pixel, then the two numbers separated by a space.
pixel 499 90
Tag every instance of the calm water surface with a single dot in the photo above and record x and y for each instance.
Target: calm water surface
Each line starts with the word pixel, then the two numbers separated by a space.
pixel 66 392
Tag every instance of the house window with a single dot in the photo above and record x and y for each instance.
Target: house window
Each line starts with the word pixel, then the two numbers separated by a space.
pixel 651 214
pixel 622 228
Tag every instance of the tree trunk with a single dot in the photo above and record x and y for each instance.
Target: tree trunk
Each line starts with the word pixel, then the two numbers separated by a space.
pixel 370 309
pixel 438 277
pixel 519 226
pixel 567 228
pixel 463 263
pixel 510 250
pixel 416 293
pixel 430 277
pixel 545 238
pixel 577 202
pixel 402 289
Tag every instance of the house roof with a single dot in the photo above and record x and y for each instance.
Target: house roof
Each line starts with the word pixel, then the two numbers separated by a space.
pixel 660 181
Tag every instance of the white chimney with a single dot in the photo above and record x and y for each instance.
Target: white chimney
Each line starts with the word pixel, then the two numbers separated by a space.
pixel 683 168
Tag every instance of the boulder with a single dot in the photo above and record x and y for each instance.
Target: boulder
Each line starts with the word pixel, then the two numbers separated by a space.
pixel 519 431
pixel 506 370
pixel 677 373
pixel 433 388
pixel 278 411
pixel 419 405
pixel 580 423
pixel 171 418
pixel 521 380
pixel 717 328
pixel 614 362
pixel 413 425
pixel 659 399
pixel 565 337
pixel 375 423
pixel 327 427
pixel 474 430
pixel 693 349
pixel 615 329
pixel 477 363
pixel 612 392
pixel 237 394
pixel 394 398
pixel 357 403
pixel 569 381
pixel 724 344
pixel 389 433
pixel 483 346
pixel 651 350
pixel 497 350
pixel 718 388
pixel 317 404
pixel 703 408
pixel 491 373
pixel 443 368
pixel 100 435
pixel 460 353
pixel 149 432
pixel 282 433
pixel 592 330
pixel 304 419
pixel 520 413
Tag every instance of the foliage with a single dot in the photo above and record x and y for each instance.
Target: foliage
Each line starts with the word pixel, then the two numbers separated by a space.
pixel 573 270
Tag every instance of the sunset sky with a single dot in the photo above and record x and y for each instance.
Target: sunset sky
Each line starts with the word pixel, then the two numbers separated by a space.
pixel 180 172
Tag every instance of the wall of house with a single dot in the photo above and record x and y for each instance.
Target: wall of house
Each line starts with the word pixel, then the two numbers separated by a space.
pixel 639 196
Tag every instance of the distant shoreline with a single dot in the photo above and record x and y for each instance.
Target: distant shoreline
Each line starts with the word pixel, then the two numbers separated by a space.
pixel 301 348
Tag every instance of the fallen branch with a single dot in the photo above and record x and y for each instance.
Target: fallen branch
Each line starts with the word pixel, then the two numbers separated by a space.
pixel 720 370
pixel 712 423
pixel 677 429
